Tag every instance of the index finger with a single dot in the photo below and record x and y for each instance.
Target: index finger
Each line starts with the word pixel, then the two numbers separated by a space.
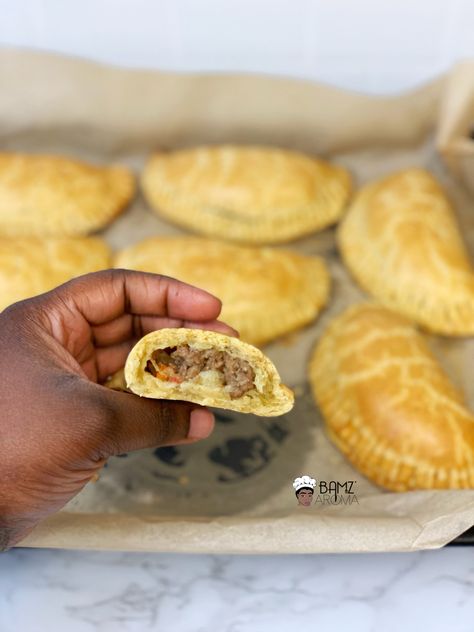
pixel 103 296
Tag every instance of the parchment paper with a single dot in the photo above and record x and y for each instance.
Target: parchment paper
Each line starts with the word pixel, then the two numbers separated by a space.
pixel 233 492
pixel 455 135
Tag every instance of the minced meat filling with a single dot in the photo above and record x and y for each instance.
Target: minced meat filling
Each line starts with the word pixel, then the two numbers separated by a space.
pixel 176 364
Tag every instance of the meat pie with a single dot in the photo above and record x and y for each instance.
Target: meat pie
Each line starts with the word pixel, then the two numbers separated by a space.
pixel 206 368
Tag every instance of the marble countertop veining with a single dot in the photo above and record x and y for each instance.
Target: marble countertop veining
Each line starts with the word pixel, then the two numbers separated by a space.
pixel 57 590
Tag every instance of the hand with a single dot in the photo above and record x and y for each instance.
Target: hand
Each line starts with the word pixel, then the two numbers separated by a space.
pixel 58 425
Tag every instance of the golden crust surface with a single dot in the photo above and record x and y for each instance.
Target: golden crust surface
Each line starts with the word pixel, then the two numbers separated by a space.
pixel 388 404
pixel 32 265
pixel 54 196
pixel 401 242
pixel 269 398
pixel 265 292
pixel 246 194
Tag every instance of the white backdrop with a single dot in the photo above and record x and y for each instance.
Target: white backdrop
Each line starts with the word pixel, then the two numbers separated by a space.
pixel 375 46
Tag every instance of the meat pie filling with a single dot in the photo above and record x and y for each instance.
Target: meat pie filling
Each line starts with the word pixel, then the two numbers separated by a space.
pixel 181 363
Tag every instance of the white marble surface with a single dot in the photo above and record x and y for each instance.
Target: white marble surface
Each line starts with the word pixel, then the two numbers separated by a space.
pixel 51 590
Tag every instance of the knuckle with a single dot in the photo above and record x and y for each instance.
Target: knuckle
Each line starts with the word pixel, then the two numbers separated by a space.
pixel 166 423
pixel 173 422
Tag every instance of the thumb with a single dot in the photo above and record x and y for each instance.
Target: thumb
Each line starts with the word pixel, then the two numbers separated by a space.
pixel 132 422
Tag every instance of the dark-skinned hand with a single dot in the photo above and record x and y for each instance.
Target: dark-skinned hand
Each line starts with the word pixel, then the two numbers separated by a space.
pixel 58 424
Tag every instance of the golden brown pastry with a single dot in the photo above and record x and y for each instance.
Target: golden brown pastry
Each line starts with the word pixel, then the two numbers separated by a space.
pixel 401 241
pixel 31 265
pixel 56 196
pixel 206 368
pixel 389 406
pixel 246 194
pixel 265 292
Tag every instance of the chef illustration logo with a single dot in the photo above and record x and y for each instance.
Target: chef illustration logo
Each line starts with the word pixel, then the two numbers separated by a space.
pixel 324 492
pixel 304 489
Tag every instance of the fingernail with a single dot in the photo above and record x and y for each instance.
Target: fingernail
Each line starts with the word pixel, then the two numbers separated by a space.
pixel 201 423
